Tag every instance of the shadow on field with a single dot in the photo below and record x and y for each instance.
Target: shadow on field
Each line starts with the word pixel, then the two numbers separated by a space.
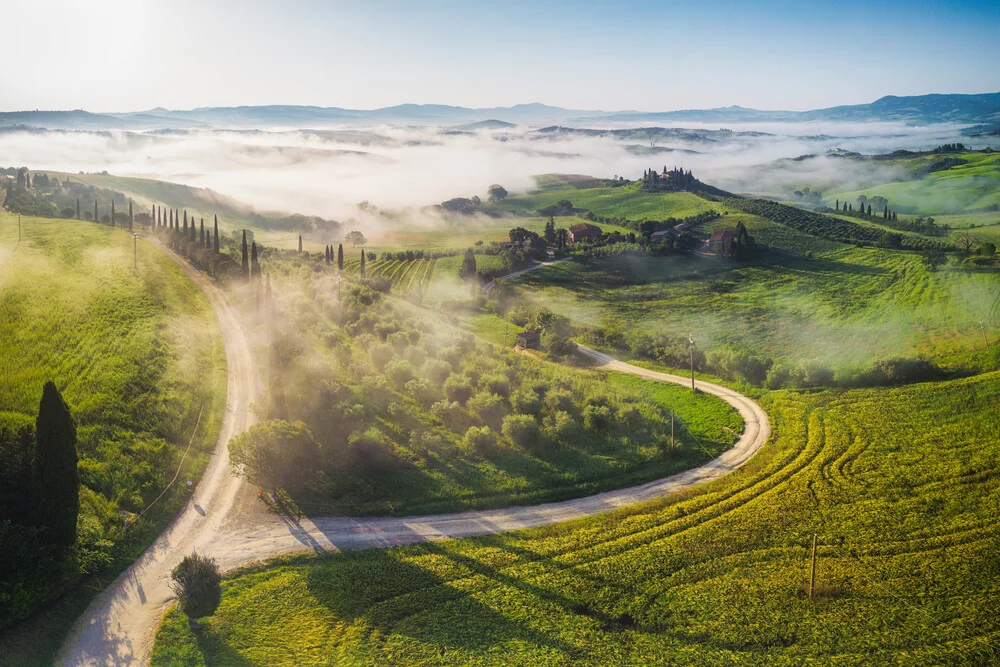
pixel 217 652
pixel 390 596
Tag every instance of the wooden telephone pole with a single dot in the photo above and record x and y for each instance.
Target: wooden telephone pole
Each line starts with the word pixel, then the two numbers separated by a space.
pixel 691 346
pixel 812 570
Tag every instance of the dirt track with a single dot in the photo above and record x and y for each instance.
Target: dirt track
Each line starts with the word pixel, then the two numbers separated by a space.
pixel 119 626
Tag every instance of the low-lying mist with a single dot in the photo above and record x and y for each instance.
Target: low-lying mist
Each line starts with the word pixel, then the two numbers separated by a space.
pixel 328 172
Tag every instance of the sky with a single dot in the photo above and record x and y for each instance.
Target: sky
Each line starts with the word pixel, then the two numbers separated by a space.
pixel 656 55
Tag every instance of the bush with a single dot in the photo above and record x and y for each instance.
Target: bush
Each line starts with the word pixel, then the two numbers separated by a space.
pixel 437 371
pixel 449 412
pixel 562 347
pixel 526 402
pixel 400 372
pixel 561 427
pixel 198 585
pixel 421 391
pixel 479 439
pixel 370 450
pixel 900 371
pixel 495 384
pixel 521 430
pixel 381 355
pixel 458 389
pixel 559 399
pixel 488 408
pixel 597 417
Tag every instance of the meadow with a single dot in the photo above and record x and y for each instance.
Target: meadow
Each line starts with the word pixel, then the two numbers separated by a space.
pixel 898 485
pixel 137 356
pixel 843 308
pixel 960 188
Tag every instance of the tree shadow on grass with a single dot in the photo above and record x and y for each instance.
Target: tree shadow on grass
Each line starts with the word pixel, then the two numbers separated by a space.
pixel 392 596
pixel 217 652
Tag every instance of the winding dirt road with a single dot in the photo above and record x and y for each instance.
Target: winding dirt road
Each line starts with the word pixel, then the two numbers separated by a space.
pixel 119 626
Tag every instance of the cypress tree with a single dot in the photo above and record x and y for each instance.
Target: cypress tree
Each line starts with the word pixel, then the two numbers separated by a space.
pixel 300 243
pixel 838 205
pixel 112 212
pixel 95 209
pixel 203 232
pixel 217 233
pixel 245 262
pixel 869 210
pixel 362 263
pixel 186 223
pixel 130 219
pixel 194 231
pixel 340 256
pixel 56 480
pixel 254 266
pixel 170 223
pixel 77 208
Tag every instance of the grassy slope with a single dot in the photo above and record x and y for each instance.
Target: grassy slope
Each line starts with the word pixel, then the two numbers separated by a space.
pixel 970 186
pixel 626 201
pixel 843 309
pixel 136 357
pixel 898 484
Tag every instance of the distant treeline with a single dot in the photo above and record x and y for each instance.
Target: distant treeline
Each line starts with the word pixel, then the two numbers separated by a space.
pixel 830 228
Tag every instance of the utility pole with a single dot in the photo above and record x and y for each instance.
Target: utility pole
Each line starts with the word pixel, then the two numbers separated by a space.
pixel 982 326
pixel 691 346
pixel 812 571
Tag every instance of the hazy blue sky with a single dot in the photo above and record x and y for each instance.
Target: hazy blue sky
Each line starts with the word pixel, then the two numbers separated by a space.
pixel 118 55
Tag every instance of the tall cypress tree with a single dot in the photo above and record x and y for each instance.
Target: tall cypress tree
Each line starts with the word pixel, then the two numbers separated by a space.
pixel 130 219
pixel 362 263
pixel 185 223
pixel 254 266
pixel 340 256
pixel 95 209
pixel 56 480
pixel 170 222
pixel 112 212
pixel 300 243
pixel 245 262
pixel 216 233
pixel 203 232
pixel 77 208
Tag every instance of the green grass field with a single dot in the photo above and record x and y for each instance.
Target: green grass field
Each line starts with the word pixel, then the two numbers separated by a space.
pixel 899 486
pixel 137 356
pixel 844 308
pixel 625 201
pixel 966 187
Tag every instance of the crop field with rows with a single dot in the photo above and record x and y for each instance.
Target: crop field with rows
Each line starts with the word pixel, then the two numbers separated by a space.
pixel 898 485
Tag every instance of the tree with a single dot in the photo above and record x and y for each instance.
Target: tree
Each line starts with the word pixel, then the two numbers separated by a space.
pixel 198 585
pixel 77 208
pixel 562 236
pixel 300 244
pixel 340 256
pixel 55 477
pixel 518 235
pixel 355 238
pixel 362 263
pixel 112 212
pixel 216 240
pixel 933 259
pixel 275 453
pixel 496 193
pixel 550 231
pixel 468 269
pixel 890 240
pixel 967 241
pixel 202 231
pixel 245 260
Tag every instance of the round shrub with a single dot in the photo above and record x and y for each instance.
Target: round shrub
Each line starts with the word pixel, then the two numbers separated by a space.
pixel 380 355
pixel 521 430
pixel 488 408
pixel 495 384
pixel 561 427
pixel 437 371
pixel 371 451
pixel 526 402
pixel 457 388
pixel 559 399
pixel 479 439
pixel 596 417
pixel 400 372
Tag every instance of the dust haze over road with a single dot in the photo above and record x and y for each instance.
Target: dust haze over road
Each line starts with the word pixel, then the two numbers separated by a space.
pixel 223 520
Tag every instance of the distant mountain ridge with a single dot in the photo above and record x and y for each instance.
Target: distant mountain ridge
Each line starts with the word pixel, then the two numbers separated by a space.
pixel 919 109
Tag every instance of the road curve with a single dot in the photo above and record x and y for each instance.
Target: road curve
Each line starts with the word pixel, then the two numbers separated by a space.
pixel 280 535
pixel 119 626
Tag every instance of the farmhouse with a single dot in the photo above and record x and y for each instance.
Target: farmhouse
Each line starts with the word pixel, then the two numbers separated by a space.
pixel 528 339
pixel 721 241
pixel 584 230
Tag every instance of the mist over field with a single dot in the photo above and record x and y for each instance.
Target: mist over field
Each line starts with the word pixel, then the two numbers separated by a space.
pixel 327 172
